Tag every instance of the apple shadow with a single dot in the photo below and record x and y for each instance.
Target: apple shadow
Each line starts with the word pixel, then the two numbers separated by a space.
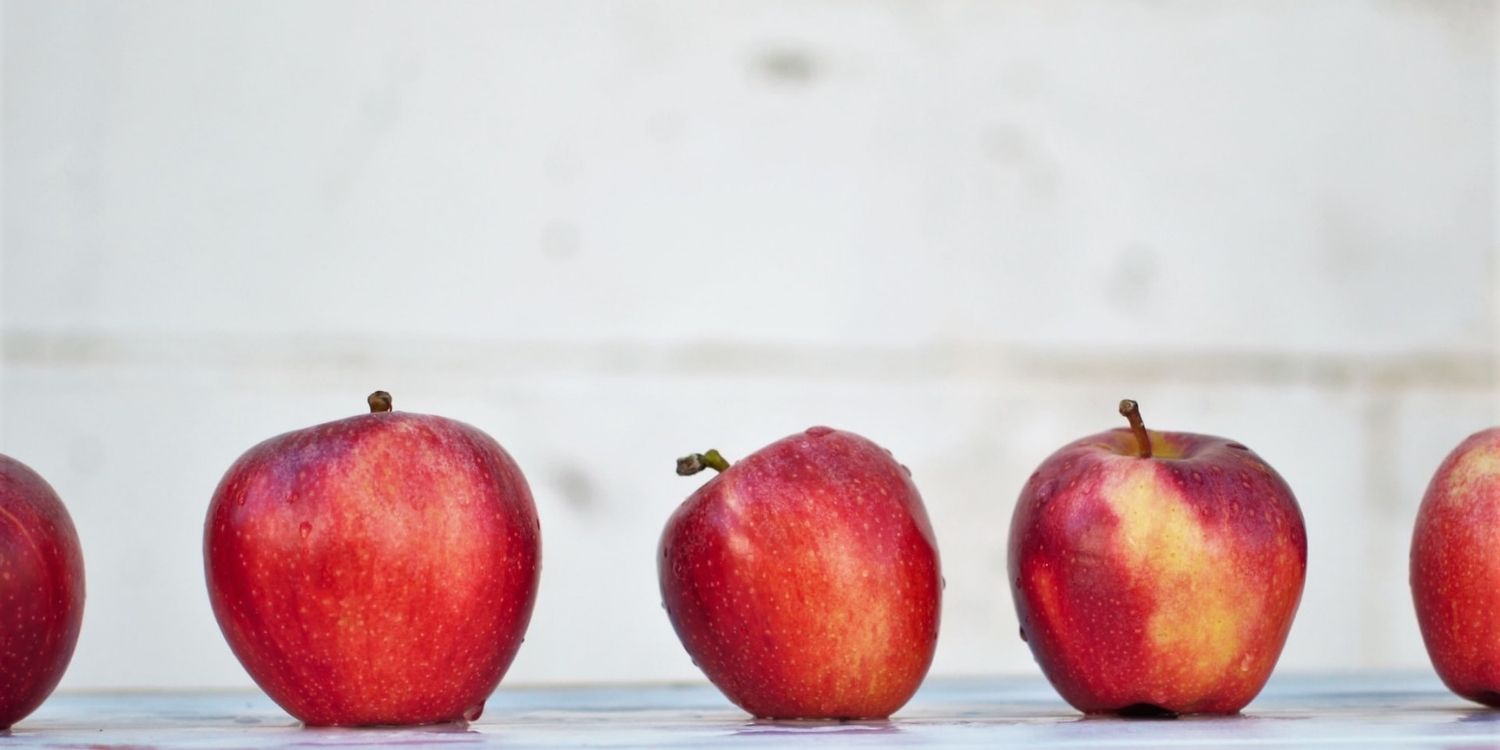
pixel 1479 716
pixel 1126 718
pixel 1133 713
pixel 1188 718
pixel 812 727
pixel 450 733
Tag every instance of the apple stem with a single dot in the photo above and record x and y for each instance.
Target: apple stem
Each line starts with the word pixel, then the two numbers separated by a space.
pixel 379 401
pixel 1132 411
pixel 696 462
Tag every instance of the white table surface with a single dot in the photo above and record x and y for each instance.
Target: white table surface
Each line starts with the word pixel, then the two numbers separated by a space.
pixel 1410 710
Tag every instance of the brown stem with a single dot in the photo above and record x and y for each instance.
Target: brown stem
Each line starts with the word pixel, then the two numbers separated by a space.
pixel 379 401
pixel 696 462
pixel 1132 411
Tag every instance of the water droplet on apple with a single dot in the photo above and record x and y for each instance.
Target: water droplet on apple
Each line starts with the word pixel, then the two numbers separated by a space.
pixel 473 712
pixel 239 500
pixel 905 469
pixel 1238 447
pixel 305 529
pixel 943 583
pixel 818 431
pixel 1198 477
pixel 1023 635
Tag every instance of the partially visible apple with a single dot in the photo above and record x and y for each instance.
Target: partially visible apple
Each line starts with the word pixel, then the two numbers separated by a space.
pixel 41 590
pixel 1156 572
pixel 1455 568
pixel 379 569
pixel 804 580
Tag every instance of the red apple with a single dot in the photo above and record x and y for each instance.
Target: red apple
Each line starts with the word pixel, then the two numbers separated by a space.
pixel 804 580
pixel 1455 571
pixel 379 569
pixel 1156 572
pixel 41 590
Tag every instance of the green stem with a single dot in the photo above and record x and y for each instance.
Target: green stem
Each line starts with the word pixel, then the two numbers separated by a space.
pixel 696 462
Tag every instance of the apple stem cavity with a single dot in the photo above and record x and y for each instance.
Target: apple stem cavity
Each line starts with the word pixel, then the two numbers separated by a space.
pixel 696 462
pixel 1130 410
pixel 379 401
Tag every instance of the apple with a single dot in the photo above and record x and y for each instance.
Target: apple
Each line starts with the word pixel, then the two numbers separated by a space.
pixel 804 580
pixel 1156 573
pixel 379 569
pixel 41 590
pixel 1455 573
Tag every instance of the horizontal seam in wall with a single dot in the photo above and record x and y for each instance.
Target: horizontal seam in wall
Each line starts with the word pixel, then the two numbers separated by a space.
pixel 965 361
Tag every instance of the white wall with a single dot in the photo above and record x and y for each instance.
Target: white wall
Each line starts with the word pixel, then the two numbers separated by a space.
pixel 612 233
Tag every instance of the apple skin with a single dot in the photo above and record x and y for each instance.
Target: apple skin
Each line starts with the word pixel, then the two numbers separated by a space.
pixel 1455 573
pixel 804 580
pixel 41 590
pixel 1156 585
pixel 377 570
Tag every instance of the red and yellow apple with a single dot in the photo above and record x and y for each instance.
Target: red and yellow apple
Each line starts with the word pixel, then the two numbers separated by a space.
pixel 41 590
pixel 804 580
pixel 379 569
pixel 1455 568
pixel 1156 572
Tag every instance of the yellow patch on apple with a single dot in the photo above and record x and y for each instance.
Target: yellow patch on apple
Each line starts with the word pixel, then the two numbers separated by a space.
pixel 1160 533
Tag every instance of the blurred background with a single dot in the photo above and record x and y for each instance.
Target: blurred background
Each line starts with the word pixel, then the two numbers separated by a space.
pixel 610 233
